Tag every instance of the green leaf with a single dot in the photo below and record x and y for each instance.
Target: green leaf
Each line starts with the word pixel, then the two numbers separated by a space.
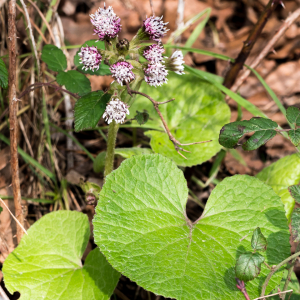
pixel 263 131
pixel 293 115
pixel 294 135
pixel 280 175
pixel 141 227
pixel 296 224
pixel 142 117
pixel 74 82
pixel 295 192
pixel 197 114
pixel 89 109
pixel 47 263
pixel 123 152
pixel 54 58
pixel 248 266
pixel 258 241
pixel 103 69
pixel 3 75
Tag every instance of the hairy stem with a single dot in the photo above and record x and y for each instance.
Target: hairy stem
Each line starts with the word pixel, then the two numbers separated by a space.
pixel 249 43
pixel 264 287
pixel 289 275
pixel 111 144
pixel 13 110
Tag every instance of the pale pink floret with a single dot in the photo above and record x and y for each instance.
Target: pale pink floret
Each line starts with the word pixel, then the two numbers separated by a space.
pixel 90 58
pixel 154 53
pixel 107 24
pixel 155 74
pixel 155 27
pixel 121 71
pixel 116 110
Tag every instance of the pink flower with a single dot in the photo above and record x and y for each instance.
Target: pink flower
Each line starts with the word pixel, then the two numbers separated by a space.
pixel 90 58
pixel 155 74
pixel 155 27
pixel 116 110
pixel 121 71
pixel 153 53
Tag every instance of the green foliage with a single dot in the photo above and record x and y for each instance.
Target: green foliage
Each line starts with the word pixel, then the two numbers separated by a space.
pixel 74 82
pixel 258 241
pixel 54 58
pixel 248 266
pixel 296 224
pixel 103 69
pixel 280 175
pixel 295 192
pixel 293 115
pixel 89 109
pixel 3 75
pixel 123 152
pixel 197 114
pixel 141 227
pixel 47 262
pixel 263 131
pixel 294 136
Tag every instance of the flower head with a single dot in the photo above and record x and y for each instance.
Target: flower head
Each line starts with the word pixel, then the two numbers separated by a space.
pixel 155 27
pixel 116 110
pixel 175 63
pixel 155 74
pixel 153 53
pixel 107 24
pixel 90 58
pixel 121 71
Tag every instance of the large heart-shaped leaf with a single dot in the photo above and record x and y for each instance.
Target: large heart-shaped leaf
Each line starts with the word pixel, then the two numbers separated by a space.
pixel 280 175
pixel 142 228
pixel 197 114
pixel 47 262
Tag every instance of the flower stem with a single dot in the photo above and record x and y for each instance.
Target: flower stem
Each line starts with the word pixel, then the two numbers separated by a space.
pixel 111 144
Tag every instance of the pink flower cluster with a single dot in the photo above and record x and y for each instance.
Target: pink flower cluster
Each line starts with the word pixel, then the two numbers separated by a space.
pixel 155 27
pixel 90 58
pixel 121 71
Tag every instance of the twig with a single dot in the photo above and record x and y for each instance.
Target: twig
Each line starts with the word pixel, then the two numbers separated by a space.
pixel 272 295
pixel 274 269
pixel 241 286
pixel 152 8
pixel 180 15
pixel 21 226
pixel 249 43
pixel 41 84
pixel 31 37
pixel 283 28
pixel 171 137
pixel 13 109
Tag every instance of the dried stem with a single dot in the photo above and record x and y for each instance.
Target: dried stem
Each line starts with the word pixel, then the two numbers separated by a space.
pixel 13 109
pixel 171 137
pixel 241 286
pixel 283 28
pixel 279 293
pixel 41 84
pixel 237 65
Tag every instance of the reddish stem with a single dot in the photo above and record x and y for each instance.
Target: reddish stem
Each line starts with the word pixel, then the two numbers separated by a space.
pixel 241 286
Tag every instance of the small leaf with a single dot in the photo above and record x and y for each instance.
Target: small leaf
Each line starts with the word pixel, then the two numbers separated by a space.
pixel 294 136
pixel 54 58
pixel 89 109
pixel 47 262
pixel 258 241
pixel 295 192
pixel 91 191
pixel 3 75
pixel 103 69
pixel 142 117
pixel 280 175
pixel 74 82
pixel 296 224
pixel 248 266
pixel 293 115
pixel 263 131
pixel 123 152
